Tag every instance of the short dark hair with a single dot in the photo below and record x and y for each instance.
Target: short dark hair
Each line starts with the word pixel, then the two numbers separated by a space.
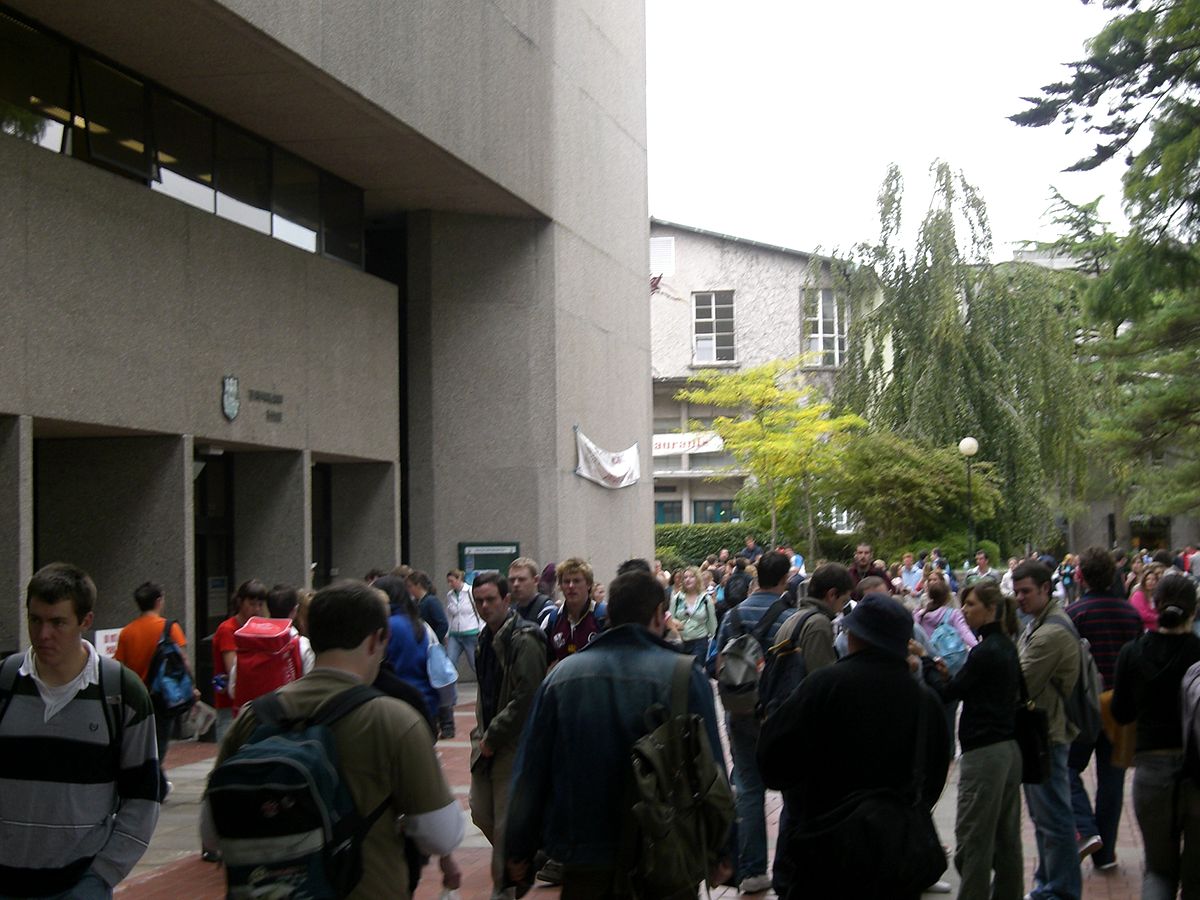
pixel 146 595
pixel 1031 568
pixel 636 564
pixel 344 614
pixel 828 577
pixel 1098 569
pixel 872 583
pixel 416 576
pixel 773 568
pixel 281 600
pixel 1164 557
pixel 634 598
pixel 253 589
pixel 1174 599
pixel 495 578
pixel 62 581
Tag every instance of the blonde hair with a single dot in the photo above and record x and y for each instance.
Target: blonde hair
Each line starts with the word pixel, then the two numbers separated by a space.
pixel 527 563
pixel 573 565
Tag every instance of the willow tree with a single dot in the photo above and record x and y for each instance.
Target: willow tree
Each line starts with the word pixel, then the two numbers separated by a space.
pixel 781 434
pixel 957 346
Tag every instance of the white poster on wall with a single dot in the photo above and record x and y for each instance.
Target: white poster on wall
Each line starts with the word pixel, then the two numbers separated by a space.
pixel 608 468
pixel 106 641
pixel 687 443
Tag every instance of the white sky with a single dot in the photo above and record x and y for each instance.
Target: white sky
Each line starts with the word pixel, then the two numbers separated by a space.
pixel 776 120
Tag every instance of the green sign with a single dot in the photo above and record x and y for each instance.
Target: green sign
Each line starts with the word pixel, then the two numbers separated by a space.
pixel 487 556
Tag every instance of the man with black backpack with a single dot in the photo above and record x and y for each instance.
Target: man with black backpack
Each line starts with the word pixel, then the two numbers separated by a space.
pixel 755 621
pixel 598 706
pixel 311 779
pixel 153 648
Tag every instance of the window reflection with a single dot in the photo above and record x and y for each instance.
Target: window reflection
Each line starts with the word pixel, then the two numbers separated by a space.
pixel 35 77
pixel 114 115
pixel 183 138
pixel 296 201
pixel 243 178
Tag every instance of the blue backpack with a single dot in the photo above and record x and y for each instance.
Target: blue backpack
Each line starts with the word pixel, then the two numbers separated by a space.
pixel 948 644
pixel 168 679
pixel 286 822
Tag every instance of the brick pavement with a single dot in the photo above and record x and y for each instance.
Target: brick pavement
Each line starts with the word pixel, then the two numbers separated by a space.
pixel 172 869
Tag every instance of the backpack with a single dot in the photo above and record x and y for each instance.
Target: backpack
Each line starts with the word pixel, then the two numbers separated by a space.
pixel 268 657
pixel 737 588
pixel 946 642
pixel 682 805
pixel 1189 696
pixel 168 679
pixel 286 822
pixel 1082 706
pixel 741 660
pixel 783 668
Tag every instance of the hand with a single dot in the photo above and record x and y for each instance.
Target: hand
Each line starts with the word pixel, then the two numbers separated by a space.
pixel 915 649
pixel 914 662
pixel 451 873
pixel 518 870
pixel 720 873
pixel 943 669
pixel 485 751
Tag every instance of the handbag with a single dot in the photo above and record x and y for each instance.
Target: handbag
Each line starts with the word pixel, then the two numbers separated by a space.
pixel 885 838
pixel 1122 737
pixel 442 673
pixel 1032 726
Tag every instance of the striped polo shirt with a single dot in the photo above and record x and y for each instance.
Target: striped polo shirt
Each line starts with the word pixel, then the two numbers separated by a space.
pixel 1108 623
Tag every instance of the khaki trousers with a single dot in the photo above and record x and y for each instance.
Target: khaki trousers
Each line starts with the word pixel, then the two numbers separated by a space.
pixel 489 805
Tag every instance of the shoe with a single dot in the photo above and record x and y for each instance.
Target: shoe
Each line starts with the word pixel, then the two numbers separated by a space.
pixel 212 856
pixel 755 884
pixel 170 786
pixel 551 872
pixel 939 887
pixel 1106 867
pixel 1089 845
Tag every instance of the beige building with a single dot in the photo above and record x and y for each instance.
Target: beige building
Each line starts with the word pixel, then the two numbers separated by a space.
pixel 290 291
pixel 729 303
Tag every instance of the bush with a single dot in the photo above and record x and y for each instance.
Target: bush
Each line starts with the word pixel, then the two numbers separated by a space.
pixel 670 558
pixel 992 549
pixel 695 542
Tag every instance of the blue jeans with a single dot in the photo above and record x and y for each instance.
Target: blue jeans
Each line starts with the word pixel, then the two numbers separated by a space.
pixel 1110 793
pixel 751 818
pixel 458 644
pixel 90 887
pixel 1167 806
pixel 1057 874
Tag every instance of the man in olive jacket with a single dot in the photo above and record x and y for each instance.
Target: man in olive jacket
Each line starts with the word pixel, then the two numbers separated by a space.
pixel 510 663
pixel 1050 664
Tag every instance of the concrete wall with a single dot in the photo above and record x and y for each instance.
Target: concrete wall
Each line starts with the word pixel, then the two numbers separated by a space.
pixel 366 520
pixel 121 509
pixel 154 302
pixel 272 509
pixel 16 527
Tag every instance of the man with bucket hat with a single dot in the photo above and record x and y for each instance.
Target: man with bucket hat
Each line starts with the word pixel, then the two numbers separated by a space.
pixel 852 727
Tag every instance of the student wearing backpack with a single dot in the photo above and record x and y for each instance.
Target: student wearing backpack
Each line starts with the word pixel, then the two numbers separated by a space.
pixel 765 605
pixel 1050 660
pixel 694 615
pixel 80 792
pixel 136 646
pixel 948 634
pixel 249 601
pixel 593 707
pixel 382 753
pixel 1166 794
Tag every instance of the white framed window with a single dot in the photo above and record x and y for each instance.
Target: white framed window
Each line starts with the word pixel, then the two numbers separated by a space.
pixel 825 322
pixel 662 256
pixel 712 317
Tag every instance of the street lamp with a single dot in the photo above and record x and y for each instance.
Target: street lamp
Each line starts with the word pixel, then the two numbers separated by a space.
pixel 968 447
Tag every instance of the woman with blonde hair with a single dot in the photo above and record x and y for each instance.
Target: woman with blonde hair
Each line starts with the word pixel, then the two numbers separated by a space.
pixel 694 613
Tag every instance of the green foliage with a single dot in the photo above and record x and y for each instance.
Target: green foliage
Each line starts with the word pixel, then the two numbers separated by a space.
pixel 959 347
pixel 992 549
pixel 695 542
pixel 670 557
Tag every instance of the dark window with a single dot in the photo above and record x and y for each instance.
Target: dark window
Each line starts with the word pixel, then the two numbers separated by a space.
pixel 113 108
pixel 342 207
pixel 35 84
pixel 183 140
pixel 668 512
pixel 243 178
pixel 712 511
pixel 295 201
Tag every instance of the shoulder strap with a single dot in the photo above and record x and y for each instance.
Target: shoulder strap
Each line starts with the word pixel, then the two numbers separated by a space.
pixel 680 679
pixel 802 618
pixel 114 712
pixel 166 632
pixel 344 703
pixel 8 678
pixel 735 622
pixel 768 619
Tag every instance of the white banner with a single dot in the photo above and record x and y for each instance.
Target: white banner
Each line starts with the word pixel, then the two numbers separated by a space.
pixel 687 443
pixel 607 468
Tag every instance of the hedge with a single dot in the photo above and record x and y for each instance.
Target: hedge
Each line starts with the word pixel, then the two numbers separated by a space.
pixel 695 542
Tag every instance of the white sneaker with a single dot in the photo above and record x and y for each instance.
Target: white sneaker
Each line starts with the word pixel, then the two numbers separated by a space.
pixel 939 887
pixel 755 884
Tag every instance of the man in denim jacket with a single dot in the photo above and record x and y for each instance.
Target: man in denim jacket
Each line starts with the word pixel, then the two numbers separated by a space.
pixel 567 792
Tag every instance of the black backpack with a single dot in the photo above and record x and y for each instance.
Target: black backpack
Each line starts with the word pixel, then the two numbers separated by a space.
pixel 286 822
pixel 168 679
pixel 737 589
pixel 783 668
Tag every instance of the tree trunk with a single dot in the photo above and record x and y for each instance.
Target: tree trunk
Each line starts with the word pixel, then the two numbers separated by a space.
pixel 774 518
pixel 814 545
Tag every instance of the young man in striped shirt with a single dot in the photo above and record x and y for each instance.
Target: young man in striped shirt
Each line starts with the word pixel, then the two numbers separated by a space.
pixel 79 793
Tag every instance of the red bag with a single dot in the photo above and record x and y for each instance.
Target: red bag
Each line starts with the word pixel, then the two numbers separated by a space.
pixel 268 657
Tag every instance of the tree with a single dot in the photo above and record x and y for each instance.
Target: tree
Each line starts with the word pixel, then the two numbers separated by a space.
pixel 1142 74
pixel 782 434
pixel 957 346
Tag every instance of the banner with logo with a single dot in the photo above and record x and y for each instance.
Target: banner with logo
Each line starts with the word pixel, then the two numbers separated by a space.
pixel 608 468
pixel 687 443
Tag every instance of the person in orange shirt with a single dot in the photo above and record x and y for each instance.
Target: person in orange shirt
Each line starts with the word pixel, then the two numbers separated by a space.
pixel 135 648
pixel 249 601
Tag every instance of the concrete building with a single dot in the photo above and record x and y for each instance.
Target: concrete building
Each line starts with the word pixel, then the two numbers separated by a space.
pixel 294 290
pixel 729 303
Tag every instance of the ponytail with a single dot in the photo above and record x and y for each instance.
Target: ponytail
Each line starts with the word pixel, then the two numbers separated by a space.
pixel 1175 600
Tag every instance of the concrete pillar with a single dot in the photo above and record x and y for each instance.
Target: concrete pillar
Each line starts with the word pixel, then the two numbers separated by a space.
pixel 121 509
pixel 366 517
pixel 16 528
pixel 272 512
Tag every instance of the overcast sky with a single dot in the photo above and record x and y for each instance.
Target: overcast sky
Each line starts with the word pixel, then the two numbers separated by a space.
pixel 776 119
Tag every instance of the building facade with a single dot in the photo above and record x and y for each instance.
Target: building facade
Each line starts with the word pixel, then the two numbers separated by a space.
pixel 292 291
pixel 728 303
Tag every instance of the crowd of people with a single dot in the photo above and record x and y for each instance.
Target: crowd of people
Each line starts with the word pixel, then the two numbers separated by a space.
pixel 895 660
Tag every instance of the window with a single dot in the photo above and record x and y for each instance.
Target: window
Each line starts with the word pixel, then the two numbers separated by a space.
pixel 342 205
pixel 662 256
pixel 668 463
pixel 666 424
pixel 712 511
pixel 825 323
pixel 243 178
pixel 183 160
pixel 35 85
pixel 295 201
pixel 713 318
pixel 668 512
pixel 114 113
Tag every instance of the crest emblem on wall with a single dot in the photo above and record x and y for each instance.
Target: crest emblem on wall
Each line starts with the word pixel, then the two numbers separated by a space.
pixel 230 404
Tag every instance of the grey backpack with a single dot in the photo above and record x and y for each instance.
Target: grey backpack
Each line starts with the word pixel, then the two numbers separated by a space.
pixel 740 662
